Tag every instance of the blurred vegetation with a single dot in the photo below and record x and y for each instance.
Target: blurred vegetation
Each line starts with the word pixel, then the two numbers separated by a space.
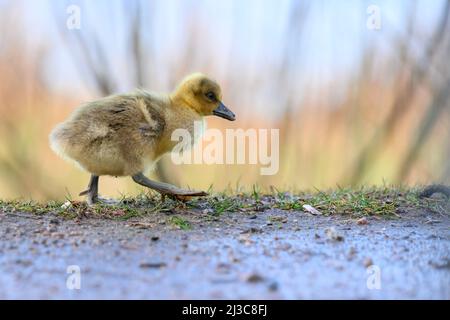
pixel 385 121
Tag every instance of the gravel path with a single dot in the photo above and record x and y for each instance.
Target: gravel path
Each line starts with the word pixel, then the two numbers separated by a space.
pixel 271 255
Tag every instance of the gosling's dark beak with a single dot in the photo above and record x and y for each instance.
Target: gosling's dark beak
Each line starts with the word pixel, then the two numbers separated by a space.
pixel 224 112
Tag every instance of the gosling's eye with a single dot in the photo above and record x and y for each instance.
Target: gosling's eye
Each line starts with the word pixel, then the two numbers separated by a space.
pixel 211 96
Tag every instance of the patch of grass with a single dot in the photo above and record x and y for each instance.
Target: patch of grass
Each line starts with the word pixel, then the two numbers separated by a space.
pixel 256 192
pixel 223 204
pixel 365 201
pixel 30 206
pixel 348 202
pixel 179 222
pixel 380 201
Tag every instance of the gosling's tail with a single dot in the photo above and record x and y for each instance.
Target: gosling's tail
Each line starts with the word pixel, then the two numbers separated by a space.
pixel 56 141
pixel 61 142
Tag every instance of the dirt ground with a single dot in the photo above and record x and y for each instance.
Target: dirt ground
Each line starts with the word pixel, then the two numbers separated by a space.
pixel 273 254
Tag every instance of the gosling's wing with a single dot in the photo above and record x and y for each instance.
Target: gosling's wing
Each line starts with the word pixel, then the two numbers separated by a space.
pixel 114 122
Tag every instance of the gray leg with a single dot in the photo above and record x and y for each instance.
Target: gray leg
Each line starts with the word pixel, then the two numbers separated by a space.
pixel 92 190
pixel 165 188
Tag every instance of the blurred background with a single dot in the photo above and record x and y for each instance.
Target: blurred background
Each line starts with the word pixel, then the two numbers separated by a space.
pixel 355 104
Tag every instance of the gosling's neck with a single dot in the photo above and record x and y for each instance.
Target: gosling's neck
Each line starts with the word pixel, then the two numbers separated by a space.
pixel 183 108
pixel 178 115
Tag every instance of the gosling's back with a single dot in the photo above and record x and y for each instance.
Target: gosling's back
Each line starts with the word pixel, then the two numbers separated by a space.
pixel 115 135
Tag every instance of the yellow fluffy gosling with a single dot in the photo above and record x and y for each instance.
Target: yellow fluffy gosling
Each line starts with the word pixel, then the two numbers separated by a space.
pixel 126 134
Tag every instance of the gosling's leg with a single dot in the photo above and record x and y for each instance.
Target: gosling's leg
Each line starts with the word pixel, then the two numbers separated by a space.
pixel 92 190
pixel 166 189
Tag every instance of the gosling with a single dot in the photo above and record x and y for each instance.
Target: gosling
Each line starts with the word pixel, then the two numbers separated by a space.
pixel 126 134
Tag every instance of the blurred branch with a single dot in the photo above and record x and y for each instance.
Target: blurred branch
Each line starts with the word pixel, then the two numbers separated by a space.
pixel 91 54
pixel 438 105
pixel 446 175
pixel 291 52
pixel 136 43
pixel 287 71
pixel 102 81
pixel 402 102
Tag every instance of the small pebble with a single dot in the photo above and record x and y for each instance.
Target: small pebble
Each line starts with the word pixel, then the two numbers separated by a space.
pixel 273 286
pixel 254 278
pixel 333 235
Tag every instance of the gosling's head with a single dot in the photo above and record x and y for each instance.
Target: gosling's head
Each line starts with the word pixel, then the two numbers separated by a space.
pixel 203 95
